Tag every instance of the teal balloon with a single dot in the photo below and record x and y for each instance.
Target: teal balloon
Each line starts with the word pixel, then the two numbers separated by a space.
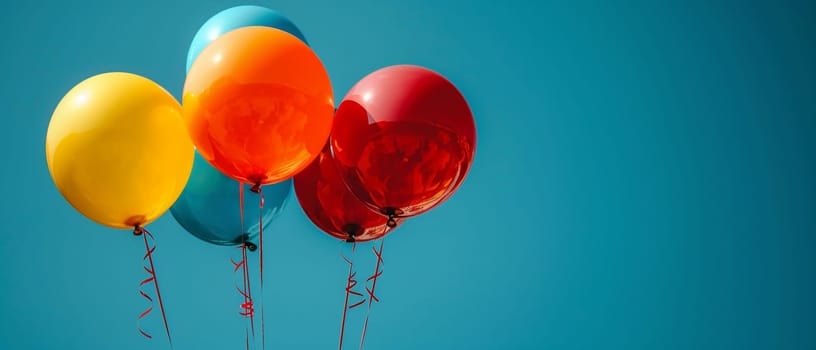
pixel 210 208
pixel 238 17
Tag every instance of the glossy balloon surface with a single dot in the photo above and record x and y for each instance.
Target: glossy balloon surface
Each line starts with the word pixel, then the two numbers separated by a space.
pixel 118 150
pixel 234 18
pixel 403 139
pixel 332 207
pixel 258 105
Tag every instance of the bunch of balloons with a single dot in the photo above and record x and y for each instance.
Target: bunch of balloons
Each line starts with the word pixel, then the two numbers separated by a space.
pixel 258 113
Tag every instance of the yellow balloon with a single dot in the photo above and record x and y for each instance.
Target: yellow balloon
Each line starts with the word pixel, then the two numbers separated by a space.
pixel 118 149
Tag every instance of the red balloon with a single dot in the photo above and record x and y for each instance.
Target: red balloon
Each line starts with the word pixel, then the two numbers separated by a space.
pixel 331 207
pixel 403 139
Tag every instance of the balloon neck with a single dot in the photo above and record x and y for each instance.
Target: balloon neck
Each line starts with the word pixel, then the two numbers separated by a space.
pixel 137 230
pixel 392 214
pixel 244 241
pixel 256 188
pixel 392 222
pixel 135 221
pixel 352 230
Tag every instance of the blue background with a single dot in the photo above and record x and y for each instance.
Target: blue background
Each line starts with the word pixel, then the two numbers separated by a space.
pixel 644 179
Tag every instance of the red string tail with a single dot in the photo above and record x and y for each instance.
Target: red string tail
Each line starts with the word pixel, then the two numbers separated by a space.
pixel 247 308
pixel 241 198
pixel 350 284
pixel 261 257
pixel 149 309
pixel 373 279
pixel 150 247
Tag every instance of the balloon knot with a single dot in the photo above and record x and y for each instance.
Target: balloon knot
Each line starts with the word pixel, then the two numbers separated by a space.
pixel 352 230
pixel 392 214
pixel 251 246
pixel 256 188
pixel 137 230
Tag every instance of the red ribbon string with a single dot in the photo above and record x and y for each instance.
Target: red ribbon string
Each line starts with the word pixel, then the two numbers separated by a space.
pixel 247 307
pixel 350 284
pixel 148 258
pixel 149 309
pixel 373 278
pixel 260 242
pixel 241 198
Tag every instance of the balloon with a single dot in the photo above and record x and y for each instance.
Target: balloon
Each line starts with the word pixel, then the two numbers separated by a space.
pixel 332 207
pixel 258 105
pixel 238 17
pixel 403 139
pixel 209 207
pixel 118 150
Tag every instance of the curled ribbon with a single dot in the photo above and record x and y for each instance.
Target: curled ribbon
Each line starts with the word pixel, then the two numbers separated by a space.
pixel 259 190
pixel 373 279
pixel 246 308
pixel 148 259
pixel 351 282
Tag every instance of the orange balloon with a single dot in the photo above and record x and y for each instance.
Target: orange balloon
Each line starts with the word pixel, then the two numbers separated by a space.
pixel 258 105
